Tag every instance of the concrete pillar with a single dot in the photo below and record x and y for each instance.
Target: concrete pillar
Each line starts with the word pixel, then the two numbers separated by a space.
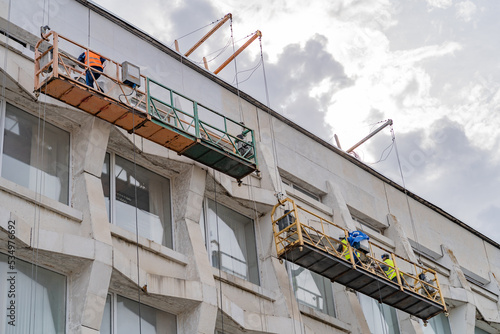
pixel 462 315
pixel 89 149
pixel 349 309
pixel 88 287
pixel 335 199
pixel 189 193
pixel 463 319
pixel 396 233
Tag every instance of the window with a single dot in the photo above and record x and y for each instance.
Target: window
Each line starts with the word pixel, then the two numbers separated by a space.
pixel 312 289
pixel 126 186
pixel 40 304
pixel 381 318
pixel 121 316
pixel 365 226
pixel 437 325
pixel 38 161
pixel 236 252
pixel 302 190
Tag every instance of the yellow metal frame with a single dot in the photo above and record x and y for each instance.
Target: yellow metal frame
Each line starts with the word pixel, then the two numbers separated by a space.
pixel 300 233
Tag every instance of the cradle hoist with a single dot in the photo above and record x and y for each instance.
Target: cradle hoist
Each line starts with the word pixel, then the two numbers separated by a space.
pixel 140 105
pixel 304 238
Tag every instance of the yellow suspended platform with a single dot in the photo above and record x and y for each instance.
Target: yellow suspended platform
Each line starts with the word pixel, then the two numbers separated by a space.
pixel 152 111
pixel 304 238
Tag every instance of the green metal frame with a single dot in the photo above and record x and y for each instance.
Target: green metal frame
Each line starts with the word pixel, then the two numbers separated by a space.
pixel 200 129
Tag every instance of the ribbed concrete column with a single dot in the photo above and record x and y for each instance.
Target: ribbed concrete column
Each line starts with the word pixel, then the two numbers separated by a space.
pixel 88 288
pixel 189 192
pixel 463 316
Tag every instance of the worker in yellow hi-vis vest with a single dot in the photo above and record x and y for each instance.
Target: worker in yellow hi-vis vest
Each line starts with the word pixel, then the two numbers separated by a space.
pixel 343 248
pixel 389 269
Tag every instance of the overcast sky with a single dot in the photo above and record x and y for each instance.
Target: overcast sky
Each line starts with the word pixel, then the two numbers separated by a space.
pixel 342 66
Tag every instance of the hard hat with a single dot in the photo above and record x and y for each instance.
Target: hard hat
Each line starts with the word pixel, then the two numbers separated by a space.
pixel 385 256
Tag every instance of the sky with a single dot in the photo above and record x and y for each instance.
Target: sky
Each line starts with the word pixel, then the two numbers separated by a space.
pixel 341 67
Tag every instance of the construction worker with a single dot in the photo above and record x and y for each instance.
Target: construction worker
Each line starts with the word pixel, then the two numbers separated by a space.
pixel 389 269
pixel 94 61
pixel 343 248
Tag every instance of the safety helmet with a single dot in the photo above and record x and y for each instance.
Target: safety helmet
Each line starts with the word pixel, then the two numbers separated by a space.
pixel 385 256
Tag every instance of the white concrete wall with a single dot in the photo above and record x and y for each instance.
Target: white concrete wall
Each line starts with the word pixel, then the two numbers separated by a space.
pixel 78 241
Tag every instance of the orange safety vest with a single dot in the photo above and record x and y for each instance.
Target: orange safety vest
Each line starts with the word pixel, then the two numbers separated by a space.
pixel 93 59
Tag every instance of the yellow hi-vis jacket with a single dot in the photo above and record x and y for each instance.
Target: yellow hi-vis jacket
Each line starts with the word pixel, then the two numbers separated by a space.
pixel 390 272
pixel 347 255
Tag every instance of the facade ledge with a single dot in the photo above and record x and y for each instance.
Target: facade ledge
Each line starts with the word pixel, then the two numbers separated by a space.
pixel 243 284
pixel 45 202
pixel 148 245
pixel 324 318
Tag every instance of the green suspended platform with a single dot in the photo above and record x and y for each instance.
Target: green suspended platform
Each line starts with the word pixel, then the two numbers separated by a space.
pixel 155 112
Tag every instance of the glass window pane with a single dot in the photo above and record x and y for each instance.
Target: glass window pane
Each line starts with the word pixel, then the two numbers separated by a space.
pixel 237 253
pixel 312 289
pixel 40 163
pixel 478 330
pixel 136 186
pixel 153 321
pixel 106 184
pixel 437 325
pixel 106 317
pixel 40 305
pixel 381 318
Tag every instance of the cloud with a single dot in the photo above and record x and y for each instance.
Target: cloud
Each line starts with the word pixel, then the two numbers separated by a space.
pixel 440 3
pixel 465 10
pixel 443 166
pixel 301 83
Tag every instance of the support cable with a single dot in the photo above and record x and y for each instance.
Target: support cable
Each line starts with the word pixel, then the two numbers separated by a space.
pixel 273 139
pixel 196 30
pixel 39 181
pixel 236 71
pixel 406 195
pixel 136 226
pixel 219 258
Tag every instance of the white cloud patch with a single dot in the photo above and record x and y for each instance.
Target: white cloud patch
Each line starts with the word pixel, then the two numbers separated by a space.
pixel 440 3
pixel 465 10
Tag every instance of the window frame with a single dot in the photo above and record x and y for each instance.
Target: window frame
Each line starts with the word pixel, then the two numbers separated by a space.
pixel 114 311
pixel 112 194
pixel 66 283
pixel 205 230
pixel 299 301
pixel 3 114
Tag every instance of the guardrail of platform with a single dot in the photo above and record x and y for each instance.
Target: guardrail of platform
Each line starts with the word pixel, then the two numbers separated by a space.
pixel 295 226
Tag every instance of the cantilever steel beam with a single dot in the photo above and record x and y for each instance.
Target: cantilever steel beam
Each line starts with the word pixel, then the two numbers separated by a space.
pixel 207 35
pixel 243 47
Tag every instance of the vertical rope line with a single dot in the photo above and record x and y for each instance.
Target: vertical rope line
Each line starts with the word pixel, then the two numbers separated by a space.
pixel 273 139
pixel 264 72
pixel 136 224
pixel 292 294
pixel 236 73
pixel 414 230
pixel 88 36
pixel 219 258
pixel 39 184
pixel 257 224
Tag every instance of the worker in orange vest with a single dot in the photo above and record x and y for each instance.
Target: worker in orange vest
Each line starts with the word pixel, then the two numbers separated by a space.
pixel 95 61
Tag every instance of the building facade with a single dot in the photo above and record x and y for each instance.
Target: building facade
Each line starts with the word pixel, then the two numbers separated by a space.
pixel 102 231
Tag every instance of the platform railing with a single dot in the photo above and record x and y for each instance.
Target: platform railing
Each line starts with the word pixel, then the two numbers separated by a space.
pixel 295 226
pixel 57 57
pixel 206 124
